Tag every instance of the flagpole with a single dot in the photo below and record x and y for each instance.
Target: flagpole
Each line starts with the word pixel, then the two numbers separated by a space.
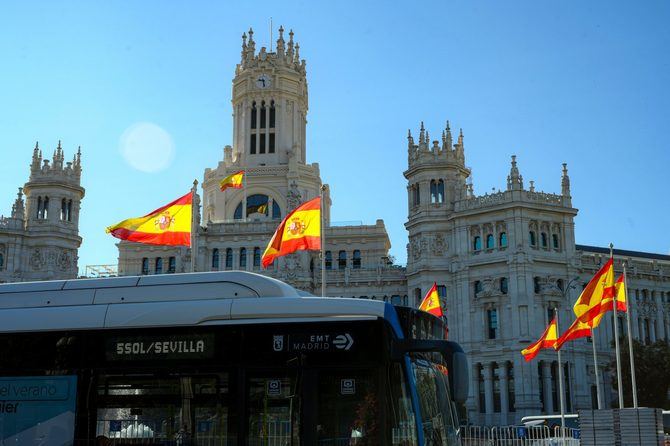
pixel 194 229
pixel 616 339
pixel 560 379
pixel 595 368
pixel 630 339
pixel 244 191
pixel 323 246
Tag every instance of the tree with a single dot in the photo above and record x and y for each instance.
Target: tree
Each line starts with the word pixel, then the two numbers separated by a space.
pixel 652 363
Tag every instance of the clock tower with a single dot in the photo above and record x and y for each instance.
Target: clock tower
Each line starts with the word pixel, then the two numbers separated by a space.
pixel 269 104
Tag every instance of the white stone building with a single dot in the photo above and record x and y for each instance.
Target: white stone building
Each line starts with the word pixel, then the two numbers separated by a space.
pixel 40 239
pixel 503 261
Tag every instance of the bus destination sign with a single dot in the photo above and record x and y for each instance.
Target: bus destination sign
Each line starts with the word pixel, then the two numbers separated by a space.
pixel 312 342
pixel 160 347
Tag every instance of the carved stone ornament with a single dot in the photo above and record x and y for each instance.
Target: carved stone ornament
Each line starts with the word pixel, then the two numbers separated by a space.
pixel 36 260
pixel 64 260
pixel 439 245
pixel 292 267
pixel 293 196
pixel 489 289
pixel 415 247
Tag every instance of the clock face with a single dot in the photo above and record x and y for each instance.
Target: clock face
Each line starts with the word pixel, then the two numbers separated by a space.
pixel 263 81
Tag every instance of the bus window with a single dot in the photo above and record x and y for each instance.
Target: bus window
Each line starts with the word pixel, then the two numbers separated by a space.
pixel 433 402
pixel 401 414
pixel 348 408
pixel 166 408
pixel 273 410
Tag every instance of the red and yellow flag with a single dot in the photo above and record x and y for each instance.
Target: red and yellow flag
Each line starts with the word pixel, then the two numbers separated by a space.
pixel 299 230
pixel 547 340
pixel 233 180
pixel 597 296
pixel 578 329
pixel 431 302
pixel 621 294
pixel 167 225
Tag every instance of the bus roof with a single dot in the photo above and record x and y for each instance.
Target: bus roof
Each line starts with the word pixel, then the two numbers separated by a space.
pixel 169 300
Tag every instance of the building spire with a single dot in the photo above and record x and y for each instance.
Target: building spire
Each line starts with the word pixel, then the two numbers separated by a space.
pixel 280 42
pixel 514 179
pixel 422 135
pixel 565 181
pixel 37 158
pixel 289 52
pixel 18 206
pixel 297 53
pixel 251 47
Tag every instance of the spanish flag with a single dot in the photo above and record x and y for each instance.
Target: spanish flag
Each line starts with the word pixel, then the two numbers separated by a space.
pixel 167 225
pixel 547 340
pixel 431 302
pixel 597 297
pixel 299 230
pixel 578 329
pixel 621 294
pixel 234 180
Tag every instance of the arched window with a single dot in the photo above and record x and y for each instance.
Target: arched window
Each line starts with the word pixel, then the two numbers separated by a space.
pixel 510 387
pixel 492 322
pixel 39 208
pixel 536 284
pixel 215 259
pixel 490 241
pixel 554 239
pixel 272 114
pixel 342 260
pixel 433 191
pixel 229 258
pixel 254 124
pixel 172 264
pixel 440 191
pixel 504 285
pixel 243 258
pixel 63 209
pixel 69 210
pixel 263 120
pixel 502 240
pixel 329 260
pixel 532 238
pixel 257 257
pixel 356 264
pixel 145 266
pixel 477 287
pixel 254 117
pixel 543 237
pixel 416 195
pixel 258 204
pixel 477 243
pixel 45 209
pixel 159 265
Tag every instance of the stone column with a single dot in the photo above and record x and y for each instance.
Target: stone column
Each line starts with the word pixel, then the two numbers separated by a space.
pixel 546 382
pixel 472 404
pixel 488 392
pixel 504 403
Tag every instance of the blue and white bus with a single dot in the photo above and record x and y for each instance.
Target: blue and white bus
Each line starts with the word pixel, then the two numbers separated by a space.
pixel 222 358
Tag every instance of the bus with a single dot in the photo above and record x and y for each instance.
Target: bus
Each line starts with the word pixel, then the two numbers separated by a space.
pixel 220 358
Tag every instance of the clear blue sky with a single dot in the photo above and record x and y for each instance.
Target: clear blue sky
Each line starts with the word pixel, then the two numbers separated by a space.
pixel 585 83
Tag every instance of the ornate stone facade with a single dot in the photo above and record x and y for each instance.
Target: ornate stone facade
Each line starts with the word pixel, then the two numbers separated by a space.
pixel 503 260
pixel 39 241
pixel 509 259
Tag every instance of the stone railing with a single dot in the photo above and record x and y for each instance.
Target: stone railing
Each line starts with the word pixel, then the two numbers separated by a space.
pixel 507 196
pixel 544 197
pixel 10 223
